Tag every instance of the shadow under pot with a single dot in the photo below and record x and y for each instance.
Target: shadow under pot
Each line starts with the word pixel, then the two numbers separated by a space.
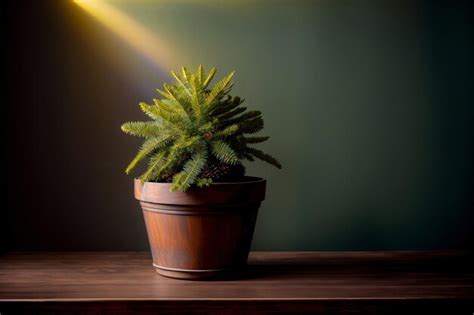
pixel 203 232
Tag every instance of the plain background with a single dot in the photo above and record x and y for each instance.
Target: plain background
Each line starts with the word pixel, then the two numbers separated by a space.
pixel 369 105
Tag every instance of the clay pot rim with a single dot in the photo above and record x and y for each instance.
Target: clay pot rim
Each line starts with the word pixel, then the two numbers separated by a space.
pixel 245 180
pixel 250 189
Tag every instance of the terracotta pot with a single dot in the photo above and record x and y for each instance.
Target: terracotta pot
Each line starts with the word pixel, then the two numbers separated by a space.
pixel 203 232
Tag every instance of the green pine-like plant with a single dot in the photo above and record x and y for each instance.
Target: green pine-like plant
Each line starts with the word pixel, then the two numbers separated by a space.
pixel 197 134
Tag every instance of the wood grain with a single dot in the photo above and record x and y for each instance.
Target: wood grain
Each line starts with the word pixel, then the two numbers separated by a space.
pixel 117 282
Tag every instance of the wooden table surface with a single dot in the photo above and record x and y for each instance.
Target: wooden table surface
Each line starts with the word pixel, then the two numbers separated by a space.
pixel 331 282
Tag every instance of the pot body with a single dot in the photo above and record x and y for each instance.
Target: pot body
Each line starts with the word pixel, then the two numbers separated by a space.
pixel 203 232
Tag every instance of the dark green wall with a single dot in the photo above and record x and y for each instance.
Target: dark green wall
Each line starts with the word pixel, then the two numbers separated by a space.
pixel 369 105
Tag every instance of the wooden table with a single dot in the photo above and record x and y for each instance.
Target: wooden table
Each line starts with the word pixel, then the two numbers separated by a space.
pixel 287 282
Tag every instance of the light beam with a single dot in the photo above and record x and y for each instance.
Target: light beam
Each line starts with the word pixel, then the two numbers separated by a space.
pixel 135 34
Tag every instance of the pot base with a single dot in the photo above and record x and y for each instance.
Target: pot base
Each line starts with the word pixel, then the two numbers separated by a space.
pixel 190 274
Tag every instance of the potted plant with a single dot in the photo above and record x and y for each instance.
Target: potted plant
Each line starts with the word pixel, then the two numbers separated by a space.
pixel 198 205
